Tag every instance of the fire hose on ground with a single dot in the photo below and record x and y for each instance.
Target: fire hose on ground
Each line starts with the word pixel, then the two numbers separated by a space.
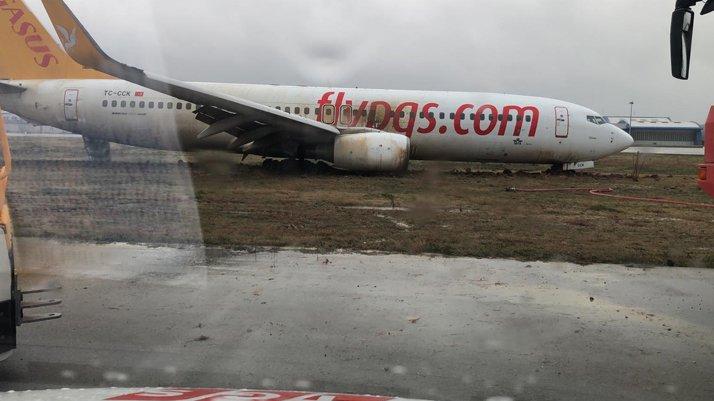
pixel 610 193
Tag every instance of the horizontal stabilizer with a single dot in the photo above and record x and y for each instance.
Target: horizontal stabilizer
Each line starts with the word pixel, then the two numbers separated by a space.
pixel 6 88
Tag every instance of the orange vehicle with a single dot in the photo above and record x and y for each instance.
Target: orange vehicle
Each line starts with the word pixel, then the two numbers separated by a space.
pixel 12 304
pixel 706 170
pixel 8 282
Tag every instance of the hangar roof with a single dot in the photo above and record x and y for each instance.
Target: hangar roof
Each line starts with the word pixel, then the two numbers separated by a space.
pixel 653 122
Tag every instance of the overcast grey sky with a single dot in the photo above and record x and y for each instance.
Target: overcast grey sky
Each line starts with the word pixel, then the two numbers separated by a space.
pixel 598 53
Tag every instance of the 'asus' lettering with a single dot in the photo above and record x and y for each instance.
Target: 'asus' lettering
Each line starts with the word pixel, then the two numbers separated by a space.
pixel 34 41
pixel 46 60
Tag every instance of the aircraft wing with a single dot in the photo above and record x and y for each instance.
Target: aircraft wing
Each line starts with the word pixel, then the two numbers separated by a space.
pixel 223 112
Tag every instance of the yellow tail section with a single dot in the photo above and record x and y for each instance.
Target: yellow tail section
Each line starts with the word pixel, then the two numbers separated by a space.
pixel 5 219
pixel 27 51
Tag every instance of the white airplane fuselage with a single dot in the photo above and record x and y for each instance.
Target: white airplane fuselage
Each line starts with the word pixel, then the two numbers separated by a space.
pixel 454 126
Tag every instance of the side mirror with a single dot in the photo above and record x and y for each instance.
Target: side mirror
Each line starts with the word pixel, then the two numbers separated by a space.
pixel 708 7
pixel 681 41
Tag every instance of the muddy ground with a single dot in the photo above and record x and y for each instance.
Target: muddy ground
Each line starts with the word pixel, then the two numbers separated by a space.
pixel 447 208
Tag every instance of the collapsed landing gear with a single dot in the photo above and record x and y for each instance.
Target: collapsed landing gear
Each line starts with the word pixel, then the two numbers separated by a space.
pixel 97 150
pixel 297 166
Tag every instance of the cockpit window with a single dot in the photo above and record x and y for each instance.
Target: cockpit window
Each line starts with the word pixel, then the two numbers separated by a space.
pixel 597 120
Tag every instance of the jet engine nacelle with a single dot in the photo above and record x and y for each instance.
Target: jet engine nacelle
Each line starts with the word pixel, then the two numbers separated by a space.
pixel 372 152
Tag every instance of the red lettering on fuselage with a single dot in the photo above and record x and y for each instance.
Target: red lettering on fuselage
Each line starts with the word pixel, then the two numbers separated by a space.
pixel 406 117
pixel 34 42
pixel 379 120
pixel 481 115
pixel 429 117
pixel 323 101
pixel 520 116
pixel 359 113
pixel 457 120
pixel 407 111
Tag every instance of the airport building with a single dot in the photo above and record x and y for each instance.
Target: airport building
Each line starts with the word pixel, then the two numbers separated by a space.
pixel 16 125
pixel 660 131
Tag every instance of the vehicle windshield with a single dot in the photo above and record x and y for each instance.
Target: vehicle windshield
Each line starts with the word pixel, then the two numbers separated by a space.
pixel 435 200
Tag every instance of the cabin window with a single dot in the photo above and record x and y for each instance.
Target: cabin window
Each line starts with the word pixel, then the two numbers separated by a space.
pixel 297 110
pixel 287 110
pixel 179 106
pixel 151 105
pixel 279 108
pixel 442 116
pixel 452 116
pixel 463 116
pixel 123 103
pixel 510 117
pixel 500 117
pixel 169 105
pixel 528 118
pixel 473 117
pixel 132 104
pixel 189 106
pixel 105 103
pixel 142 105
pixel 307 111
pixel 161 105
pixel 431 114
pixel 328 111
pixel 490 117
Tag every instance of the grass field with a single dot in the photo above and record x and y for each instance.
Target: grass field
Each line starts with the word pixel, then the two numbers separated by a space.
pixel 453 209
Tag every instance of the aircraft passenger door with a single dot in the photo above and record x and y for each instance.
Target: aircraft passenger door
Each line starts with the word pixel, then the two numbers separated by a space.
pixel 329 114
pixel 71 96
pixel 346 115
pixel 562 122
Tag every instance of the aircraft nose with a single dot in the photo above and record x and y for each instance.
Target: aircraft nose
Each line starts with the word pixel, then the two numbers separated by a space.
pixel 621 139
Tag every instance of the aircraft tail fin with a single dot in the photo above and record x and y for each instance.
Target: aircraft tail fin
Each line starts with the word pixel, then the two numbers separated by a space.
pixel 27 51
pixel 80 44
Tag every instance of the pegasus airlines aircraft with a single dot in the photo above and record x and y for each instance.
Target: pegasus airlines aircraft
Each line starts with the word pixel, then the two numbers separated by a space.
pixel 84 91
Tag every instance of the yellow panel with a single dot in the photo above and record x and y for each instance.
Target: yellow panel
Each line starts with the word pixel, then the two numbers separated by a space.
pixel 27 51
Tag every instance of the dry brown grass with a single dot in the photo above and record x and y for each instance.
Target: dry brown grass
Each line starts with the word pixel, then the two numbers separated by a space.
pixel 451 211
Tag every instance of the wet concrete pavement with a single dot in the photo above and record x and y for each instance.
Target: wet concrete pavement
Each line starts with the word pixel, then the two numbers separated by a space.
pixel 411 326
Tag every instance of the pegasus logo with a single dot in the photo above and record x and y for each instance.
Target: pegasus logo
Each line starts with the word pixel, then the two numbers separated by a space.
pixel 69 40
pixel 29 32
